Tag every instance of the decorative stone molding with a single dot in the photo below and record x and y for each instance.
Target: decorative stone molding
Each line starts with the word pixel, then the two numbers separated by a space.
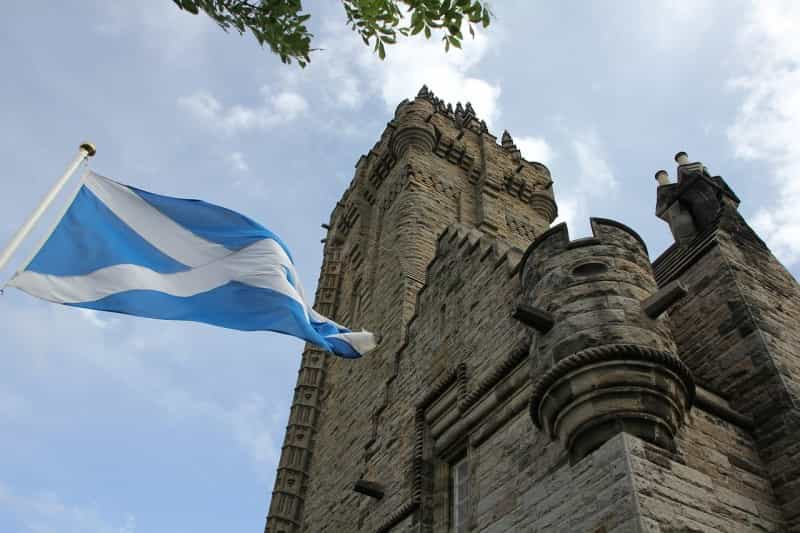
pixel 525 189
pixel 521 227
pixel 454 151
pixel 593 394
pixel 677 259
pixel 498 373
pixel 348 220
pixel 286 508
pixel 381 169
pixel 464 401
pixel 508 145
pixel 398 516
pixel 542 201
pixel 463 116
pixel 420 135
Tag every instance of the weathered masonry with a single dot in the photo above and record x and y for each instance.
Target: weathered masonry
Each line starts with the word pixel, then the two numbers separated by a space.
pixel 527 382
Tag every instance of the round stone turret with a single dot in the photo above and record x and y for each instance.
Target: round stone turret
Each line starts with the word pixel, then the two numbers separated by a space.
pixel 413 128
pixel 604 366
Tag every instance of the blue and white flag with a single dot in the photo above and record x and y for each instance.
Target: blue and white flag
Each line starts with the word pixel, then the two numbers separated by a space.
pixel 121 249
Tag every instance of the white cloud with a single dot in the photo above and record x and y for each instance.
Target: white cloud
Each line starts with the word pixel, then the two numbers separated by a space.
pixel 170 33
pixel 676 25
pixel 248 421
pixel 252 422
pixel 274 109
pixel 594 179
pixel 595 175
pixel 46 512
pixel 95 318
pixel 767 124
pixel 345 85
pixel 252 185
pixel 569 207
pixel 352 70
pixel 289 105
pixel 535 149
pixel 237 161
pixel 202 105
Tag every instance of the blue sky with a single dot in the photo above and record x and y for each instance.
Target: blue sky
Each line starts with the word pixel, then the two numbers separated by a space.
pixel 117 424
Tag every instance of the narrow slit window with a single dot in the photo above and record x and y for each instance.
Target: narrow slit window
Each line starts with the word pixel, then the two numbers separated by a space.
pixel 460 495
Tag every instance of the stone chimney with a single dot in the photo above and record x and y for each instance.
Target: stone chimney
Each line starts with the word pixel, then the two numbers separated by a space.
pixel 693 204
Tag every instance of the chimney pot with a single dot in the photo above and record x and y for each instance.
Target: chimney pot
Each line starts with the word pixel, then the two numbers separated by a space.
pixel 681 158
pixel 662 177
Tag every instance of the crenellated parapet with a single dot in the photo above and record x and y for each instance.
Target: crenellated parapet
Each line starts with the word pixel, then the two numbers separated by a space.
pixel 494 187
pixel 603 360
pixel 459 242
pixel 463 116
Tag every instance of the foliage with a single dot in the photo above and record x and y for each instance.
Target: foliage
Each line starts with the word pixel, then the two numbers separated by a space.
pixel 281 24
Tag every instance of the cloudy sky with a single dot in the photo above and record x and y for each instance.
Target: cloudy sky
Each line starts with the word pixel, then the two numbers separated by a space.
pixel 117 424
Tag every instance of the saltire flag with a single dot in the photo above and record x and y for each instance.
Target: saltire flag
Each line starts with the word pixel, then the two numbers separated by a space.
pixel 121 249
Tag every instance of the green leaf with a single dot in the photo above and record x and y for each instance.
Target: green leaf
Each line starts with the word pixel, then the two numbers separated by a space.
pixel 188 6
pixel 444 8
pixel 281 24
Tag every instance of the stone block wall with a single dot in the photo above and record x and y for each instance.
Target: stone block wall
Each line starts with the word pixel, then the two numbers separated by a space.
pixel 682 421
pixel 433 166
pixel 525 483
pixel 461 388
pixel 714 482
pixel 734 330
pixel 451 366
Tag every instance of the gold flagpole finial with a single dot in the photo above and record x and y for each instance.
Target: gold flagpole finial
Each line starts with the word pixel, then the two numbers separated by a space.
pixel 89 148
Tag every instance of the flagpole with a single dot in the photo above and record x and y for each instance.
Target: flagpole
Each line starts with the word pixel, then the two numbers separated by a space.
pixel 85 151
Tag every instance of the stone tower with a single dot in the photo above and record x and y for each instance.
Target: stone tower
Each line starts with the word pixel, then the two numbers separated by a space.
pixel 573 387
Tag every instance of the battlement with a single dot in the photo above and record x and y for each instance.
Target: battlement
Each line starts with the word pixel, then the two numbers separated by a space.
pixel 462 116
pixel 471 243
pixel 466 250
pixel 604 231
pixel 614 251
pixel 457 136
